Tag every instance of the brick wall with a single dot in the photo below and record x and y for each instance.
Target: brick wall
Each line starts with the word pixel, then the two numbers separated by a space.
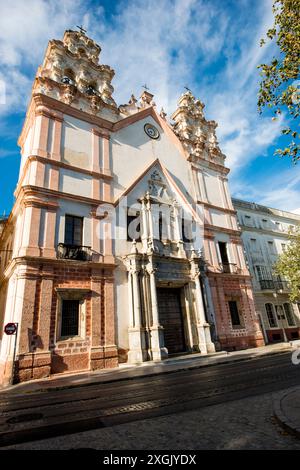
pixel 225 288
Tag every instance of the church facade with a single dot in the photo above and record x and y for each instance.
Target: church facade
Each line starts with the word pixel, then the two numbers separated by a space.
pixel 123 244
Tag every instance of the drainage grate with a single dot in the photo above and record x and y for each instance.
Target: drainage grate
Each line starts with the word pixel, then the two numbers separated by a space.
pixel 24 418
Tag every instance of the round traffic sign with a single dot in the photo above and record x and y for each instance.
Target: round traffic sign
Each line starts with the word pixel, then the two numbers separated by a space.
pixel 10 328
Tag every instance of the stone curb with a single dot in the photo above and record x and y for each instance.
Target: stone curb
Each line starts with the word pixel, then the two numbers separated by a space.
pixel 104 380
pixel 280 416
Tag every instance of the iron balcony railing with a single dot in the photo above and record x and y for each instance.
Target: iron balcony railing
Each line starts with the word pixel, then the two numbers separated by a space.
pixel 75 252
pixel 272 284
pixel 229 268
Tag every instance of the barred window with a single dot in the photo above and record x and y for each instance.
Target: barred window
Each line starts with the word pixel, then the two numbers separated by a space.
pixel 70 318
pixel 234 313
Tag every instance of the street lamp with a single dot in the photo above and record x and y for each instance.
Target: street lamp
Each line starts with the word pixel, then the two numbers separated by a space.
pixel 279 316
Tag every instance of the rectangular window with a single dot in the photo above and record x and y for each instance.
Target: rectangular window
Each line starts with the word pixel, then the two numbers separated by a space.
pixel 73 230
pixel 133 227
pixel 223 252
pixel 188 230
pixel 271 248
pixel 248 220
pixel 69 318
pixel 224 256
pixel 253 245
pixel 289 314
pixel 234 313
pixel 271 316
pixel 263 273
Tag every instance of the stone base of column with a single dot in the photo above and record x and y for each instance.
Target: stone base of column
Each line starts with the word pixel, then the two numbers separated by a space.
pixel 205 343
pixel 159 351
pixel 137 346
pixel 30 366
pixel 104 357
pixel 30 251
pixel 5 373
pixel 211 348
pixel 49 252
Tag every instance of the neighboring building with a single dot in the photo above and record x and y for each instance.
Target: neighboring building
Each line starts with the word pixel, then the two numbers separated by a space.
pixel 84 295
pixel 265 236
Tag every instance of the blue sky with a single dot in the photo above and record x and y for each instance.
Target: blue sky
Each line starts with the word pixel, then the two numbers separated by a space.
pixel 212 46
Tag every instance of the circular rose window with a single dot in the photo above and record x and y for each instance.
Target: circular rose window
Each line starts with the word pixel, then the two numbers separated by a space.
pixel 151 131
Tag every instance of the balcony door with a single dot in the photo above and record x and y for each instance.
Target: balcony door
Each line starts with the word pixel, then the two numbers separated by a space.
pixel 73 230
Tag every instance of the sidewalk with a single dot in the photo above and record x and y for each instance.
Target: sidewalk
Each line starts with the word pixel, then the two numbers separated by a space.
pixel 127 372
pixel 286 408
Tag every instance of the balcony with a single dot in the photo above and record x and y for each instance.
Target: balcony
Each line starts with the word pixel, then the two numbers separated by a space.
pixel 275 285
pixel 229 268
pixel 74 252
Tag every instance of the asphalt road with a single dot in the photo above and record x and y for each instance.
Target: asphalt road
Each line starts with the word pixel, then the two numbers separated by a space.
pixel 32 416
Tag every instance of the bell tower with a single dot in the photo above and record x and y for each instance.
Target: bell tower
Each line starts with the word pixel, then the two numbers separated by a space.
pixel 59 287
pixel 71 73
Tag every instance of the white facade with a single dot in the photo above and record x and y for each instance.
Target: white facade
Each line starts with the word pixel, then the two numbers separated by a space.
pixel 265 234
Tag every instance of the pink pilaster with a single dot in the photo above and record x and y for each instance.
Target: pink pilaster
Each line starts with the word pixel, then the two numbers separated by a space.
pixel 41 135
pixel 49 238
pixel 56 144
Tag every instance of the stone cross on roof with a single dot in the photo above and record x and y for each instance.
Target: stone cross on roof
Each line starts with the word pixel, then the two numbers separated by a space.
pixel 81 29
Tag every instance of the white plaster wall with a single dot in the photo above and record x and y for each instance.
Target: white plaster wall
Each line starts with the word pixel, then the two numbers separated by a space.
pixel 133 151
pixel 218 218
pixel 122 307
pixel 73 182
pixel 77 142
pixel 212 188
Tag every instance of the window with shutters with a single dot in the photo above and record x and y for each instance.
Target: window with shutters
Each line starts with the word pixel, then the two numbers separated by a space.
pixel 289 314
pixel 271 315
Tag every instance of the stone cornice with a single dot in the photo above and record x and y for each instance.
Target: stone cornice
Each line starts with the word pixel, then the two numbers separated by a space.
pixel 67 166
pixel 215 228
pixel 208 164
pixel 212 274
pixel 38 191
pixel 33 200
pixel 34 264
pixel 259 231
pixel 221 209
pixel 55 109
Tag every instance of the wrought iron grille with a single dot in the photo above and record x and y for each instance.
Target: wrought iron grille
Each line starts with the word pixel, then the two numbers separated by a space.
pixel 69 318
pixel 79 253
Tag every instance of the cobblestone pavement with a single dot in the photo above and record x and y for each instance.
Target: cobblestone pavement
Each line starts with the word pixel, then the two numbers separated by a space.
pixel 242 424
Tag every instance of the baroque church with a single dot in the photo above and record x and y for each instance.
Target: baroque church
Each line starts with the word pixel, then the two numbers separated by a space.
pixel 123 244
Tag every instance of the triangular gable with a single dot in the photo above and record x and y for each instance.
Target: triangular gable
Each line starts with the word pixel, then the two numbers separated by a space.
pixel 173 188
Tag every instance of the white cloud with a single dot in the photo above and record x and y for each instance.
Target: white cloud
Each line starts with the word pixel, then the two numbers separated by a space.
pixel 211 46
pixel 280 191
pixel 25 29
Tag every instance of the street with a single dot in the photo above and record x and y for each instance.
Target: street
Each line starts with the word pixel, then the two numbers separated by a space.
pixel 221 406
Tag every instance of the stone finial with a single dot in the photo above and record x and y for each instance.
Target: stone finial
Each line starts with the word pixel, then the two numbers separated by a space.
pixel 163 114
pixel 132 100
pixel 146 99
